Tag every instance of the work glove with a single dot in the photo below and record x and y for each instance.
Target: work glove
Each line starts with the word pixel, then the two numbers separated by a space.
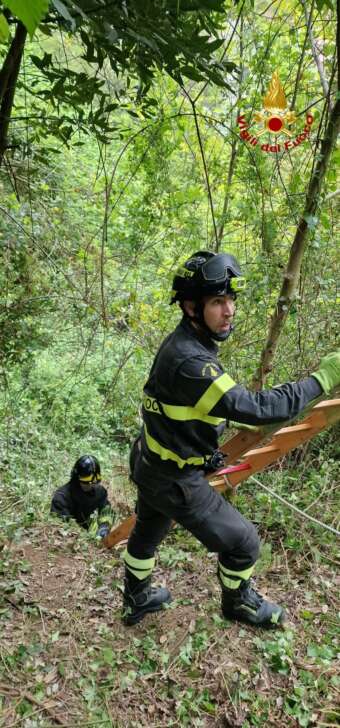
pixel 242 426
pixel 103 530
pixel 328 374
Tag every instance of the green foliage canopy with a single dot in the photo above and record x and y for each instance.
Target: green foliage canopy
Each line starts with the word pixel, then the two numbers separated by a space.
pixel 121 46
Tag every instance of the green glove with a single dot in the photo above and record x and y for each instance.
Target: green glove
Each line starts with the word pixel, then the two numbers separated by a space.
pixel 328 374
pixel 242 426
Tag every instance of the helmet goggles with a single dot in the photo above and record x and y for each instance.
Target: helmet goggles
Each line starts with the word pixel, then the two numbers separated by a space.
pixel 88 482
pixel 208 273
pixel 94 478
pixel 220 268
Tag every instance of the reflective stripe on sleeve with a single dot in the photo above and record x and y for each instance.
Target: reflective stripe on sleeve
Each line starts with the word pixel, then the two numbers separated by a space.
pixel 176 412
pixel 93 527
pixel 215 391
pixel 106 515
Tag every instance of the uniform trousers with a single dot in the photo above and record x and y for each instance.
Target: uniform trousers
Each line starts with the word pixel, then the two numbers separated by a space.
pixel 187 498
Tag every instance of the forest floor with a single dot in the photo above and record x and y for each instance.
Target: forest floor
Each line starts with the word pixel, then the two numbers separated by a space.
pixel 67 659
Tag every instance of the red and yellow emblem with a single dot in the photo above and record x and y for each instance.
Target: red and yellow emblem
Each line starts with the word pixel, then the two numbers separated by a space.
pixel 275 115
pixel 275 118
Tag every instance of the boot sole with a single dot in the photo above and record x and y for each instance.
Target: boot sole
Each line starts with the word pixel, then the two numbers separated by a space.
pixel 265 625
pixel 129 620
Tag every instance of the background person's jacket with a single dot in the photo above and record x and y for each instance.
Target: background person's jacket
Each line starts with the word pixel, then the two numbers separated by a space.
pixel 188 398
pixel 70 501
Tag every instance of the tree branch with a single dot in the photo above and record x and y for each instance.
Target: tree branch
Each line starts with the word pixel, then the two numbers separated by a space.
pixel 206 174
pixel 307 220
pixel 315 50
pixel 8 80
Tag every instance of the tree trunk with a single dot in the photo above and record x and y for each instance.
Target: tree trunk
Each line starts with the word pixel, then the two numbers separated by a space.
pixel 307 221
pixel 8 81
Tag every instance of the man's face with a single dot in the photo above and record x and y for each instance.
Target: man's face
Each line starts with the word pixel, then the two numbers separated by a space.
pixel 218 312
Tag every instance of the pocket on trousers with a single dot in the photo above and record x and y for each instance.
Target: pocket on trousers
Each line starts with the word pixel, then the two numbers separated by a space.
pixel 197 497
pixel 181 495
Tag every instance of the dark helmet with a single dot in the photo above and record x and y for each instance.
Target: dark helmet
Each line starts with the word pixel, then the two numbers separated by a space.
pixel 207 274
pixel 86 469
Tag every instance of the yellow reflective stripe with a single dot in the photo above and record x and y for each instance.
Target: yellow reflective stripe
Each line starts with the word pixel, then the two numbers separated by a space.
pixel 177 412
pixel 230 583
pixel 215 391
pixel 140 568
pixel 245 574
pixel 138 573
pixel 166 454
pixel 138 563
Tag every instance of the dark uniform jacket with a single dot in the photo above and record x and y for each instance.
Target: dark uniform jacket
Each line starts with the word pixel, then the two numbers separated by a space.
pixel 70 501
pixel 188 398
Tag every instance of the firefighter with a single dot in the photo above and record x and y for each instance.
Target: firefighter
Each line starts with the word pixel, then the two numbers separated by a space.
pixel 84 498
pixel 187 400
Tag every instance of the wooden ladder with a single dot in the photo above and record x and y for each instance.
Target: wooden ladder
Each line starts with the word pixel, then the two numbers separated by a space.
pixel 246 450
pixel 321 416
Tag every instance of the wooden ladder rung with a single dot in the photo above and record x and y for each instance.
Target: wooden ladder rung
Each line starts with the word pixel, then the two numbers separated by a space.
pixel 330 410
pixel 327 404
pixel 304 427
pixel 262 456
pixel 291 437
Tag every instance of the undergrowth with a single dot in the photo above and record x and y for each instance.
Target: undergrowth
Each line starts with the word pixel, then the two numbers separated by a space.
pixel 67 660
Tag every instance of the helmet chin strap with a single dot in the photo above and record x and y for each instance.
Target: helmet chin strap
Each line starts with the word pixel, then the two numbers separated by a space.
pixel 221 337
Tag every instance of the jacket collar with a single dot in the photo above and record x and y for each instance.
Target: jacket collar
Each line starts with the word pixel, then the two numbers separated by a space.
pixel 198 334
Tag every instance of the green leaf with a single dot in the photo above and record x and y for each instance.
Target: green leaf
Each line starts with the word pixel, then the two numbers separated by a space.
pixel 30 12
pixel 328 3
pixel 4 29
pixel 307 614
pixel 44 62
pixel 191 72
pixel 63 11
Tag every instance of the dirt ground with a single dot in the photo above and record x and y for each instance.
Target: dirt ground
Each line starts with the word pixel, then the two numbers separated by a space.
pixel 67 659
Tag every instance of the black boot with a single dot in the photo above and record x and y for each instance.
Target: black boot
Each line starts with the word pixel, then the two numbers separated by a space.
pixel 246 605
pixel 140 598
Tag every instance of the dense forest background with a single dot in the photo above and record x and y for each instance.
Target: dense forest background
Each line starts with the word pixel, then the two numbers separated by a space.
pixel 113 169
pixel 93 224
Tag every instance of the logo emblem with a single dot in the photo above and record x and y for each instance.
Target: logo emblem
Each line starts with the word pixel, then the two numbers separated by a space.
pixel 275 115
pixel 275 118
pixel 210 370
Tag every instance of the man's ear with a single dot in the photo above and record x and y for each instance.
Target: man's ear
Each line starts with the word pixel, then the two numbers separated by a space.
pixel 189 308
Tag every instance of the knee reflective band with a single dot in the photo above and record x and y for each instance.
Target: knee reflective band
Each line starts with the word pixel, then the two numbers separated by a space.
pixel 232 579
pixel 140 568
